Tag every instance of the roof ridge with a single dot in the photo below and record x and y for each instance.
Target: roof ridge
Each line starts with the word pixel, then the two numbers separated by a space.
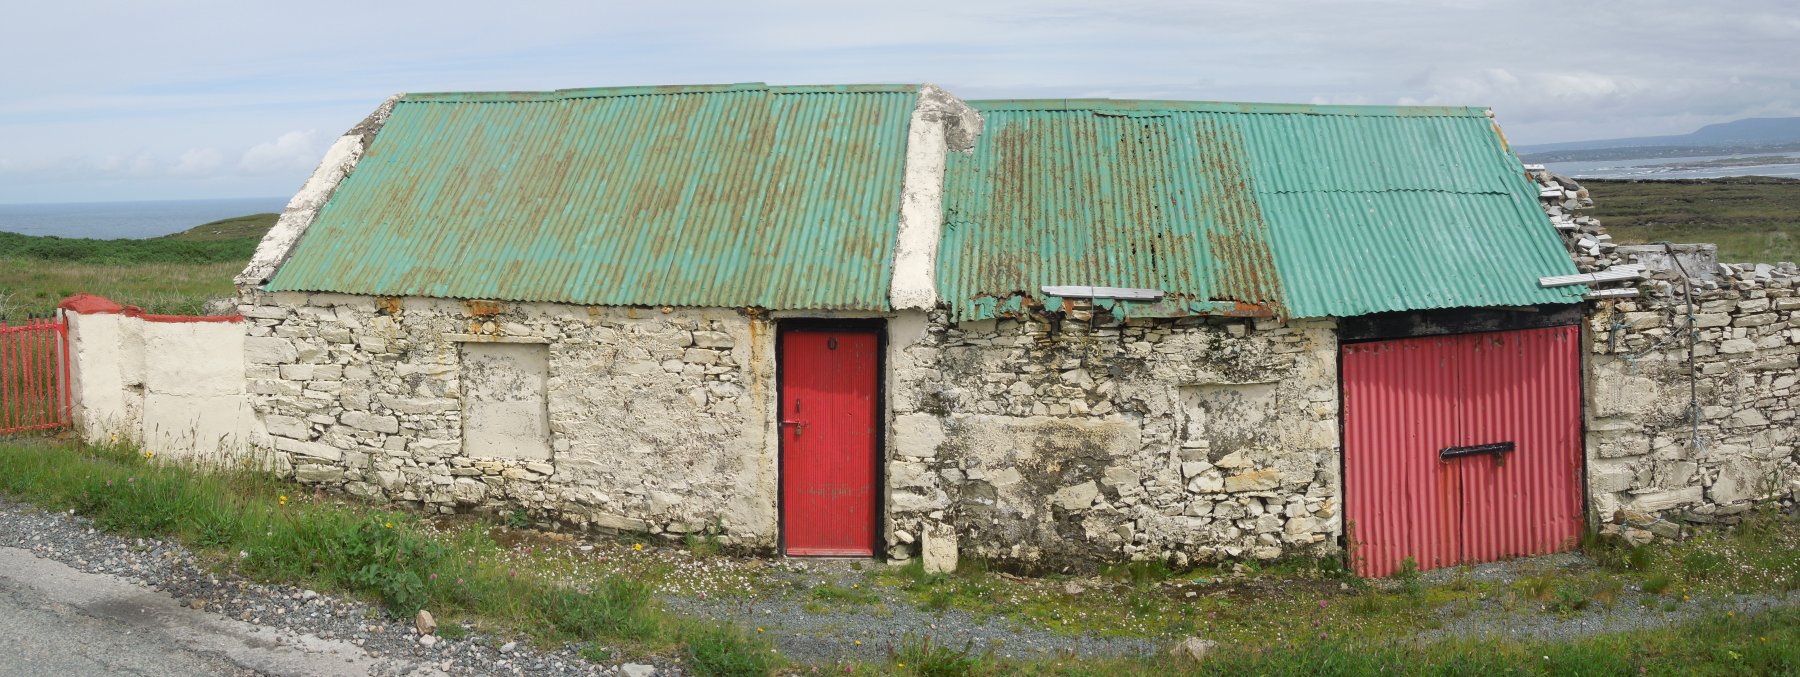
pixel 648 90
pixel 1176 106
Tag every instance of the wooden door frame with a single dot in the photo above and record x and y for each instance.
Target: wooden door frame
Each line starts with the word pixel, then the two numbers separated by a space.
pixel 878 493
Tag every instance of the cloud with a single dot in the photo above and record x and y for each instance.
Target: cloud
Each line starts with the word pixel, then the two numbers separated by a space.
pixel 198 162
pixel 295 150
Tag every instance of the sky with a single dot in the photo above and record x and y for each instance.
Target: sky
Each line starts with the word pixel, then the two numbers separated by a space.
pixel 197 99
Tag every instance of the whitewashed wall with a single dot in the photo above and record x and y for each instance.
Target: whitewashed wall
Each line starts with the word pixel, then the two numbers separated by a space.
pixel 174 384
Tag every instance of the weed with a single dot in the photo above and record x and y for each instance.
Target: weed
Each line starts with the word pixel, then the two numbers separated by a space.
pixel 704 545
pixel 923 658
pixel 1614 553
pixel 1141 573
pixel 452 631
pixel 723 651
pixel 1699 565
pixel 518 519
pixel 597 653
pixel 838 593
pixel 1565 598
pixel 618 607
pixel 1410 580
pixel 1657 584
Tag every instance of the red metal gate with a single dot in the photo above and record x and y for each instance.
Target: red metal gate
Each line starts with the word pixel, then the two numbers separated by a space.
pixel 828 440
pixel 1462 448
pixel 34 376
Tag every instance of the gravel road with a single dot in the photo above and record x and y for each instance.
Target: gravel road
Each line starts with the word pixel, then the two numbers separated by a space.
pixel 77 601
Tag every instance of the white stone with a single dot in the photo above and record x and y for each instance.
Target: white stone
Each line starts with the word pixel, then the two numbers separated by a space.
pixel 938 548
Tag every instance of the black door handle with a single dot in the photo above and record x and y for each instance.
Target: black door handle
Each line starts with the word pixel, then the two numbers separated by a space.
pixel 1495 448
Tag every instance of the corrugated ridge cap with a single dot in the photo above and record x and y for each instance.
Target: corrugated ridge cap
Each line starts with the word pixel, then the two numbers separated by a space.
pixel 649 90
pixel 1170 106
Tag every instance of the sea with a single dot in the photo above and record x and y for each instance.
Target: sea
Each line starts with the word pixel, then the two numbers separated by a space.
pixel 1675 168
pixel 121 220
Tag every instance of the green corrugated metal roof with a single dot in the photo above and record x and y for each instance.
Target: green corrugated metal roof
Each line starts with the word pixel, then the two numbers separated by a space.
pixel 1309 210
pixel 732 195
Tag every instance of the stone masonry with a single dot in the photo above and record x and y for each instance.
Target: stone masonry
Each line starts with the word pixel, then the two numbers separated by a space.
pixel 1184 440
pixel 1672 440
pixel 1690 403
pixel 655 417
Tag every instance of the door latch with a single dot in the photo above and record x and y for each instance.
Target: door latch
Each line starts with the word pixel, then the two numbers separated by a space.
pixel 1495 448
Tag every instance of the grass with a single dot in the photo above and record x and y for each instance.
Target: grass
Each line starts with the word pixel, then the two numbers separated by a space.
pixel 1288 618
pixel 173 274
pixel 1752 219
pixel 248 524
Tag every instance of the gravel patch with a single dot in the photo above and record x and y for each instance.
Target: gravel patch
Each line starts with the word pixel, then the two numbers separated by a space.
pixel 844 630
pixel 174 570
pixel 1632 609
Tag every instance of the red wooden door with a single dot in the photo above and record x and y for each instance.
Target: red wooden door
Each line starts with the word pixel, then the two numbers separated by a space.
pixel 1462 448
pixel 828 422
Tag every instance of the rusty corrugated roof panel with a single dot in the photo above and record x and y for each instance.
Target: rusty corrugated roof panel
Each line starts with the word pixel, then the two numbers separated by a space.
pixel 730 195
pixel 1304 210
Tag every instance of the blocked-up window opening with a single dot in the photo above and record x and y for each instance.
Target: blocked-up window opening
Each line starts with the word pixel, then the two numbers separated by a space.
pixel 1226 417
pixel 504 410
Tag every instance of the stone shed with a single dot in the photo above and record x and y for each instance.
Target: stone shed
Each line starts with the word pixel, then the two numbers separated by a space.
pixel 884 321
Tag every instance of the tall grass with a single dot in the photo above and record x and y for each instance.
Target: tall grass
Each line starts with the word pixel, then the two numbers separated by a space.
pixel 35 286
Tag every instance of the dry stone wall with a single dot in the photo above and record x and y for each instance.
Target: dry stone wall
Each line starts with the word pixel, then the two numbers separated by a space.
pixel 1674 439
pixel 1692 385
pixel 655 419
pixel 1187 440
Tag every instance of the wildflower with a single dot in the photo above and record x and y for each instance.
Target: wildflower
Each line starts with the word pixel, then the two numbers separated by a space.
pixel 859 642
pixel 149 455
pixel 759 630
pixel 282 499
pixel 637 546
pixel 389 525
pixel 434 577
pixel 1321 604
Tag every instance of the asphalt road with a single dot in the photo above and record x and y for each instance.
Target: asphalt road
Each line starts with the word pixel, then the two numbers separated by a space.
pixel 56 620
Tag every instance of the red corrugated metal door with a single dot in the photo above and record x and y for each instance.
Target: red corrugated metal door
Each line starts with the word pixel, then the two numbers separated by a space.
pixel 1400 408
pixel 1524 388
pixel 1507 407
pixel 828 422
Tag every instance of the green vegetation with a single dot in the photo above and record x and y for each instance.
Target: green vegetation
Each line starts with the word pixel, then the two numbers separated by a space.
pixel 1752 219
pixel 172 274
pixel 405 563
pixel 1300 617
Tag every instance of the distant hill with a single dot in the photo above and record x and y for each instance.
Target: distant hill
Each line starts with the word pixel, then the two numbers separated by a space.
pixel 234 228
pixel 1750 135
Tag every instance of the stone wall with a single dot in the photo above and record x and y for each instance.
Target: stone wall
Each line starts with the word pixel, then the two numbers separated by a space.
pixel 1672 441
pixel 1188 440
pixel 656 419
